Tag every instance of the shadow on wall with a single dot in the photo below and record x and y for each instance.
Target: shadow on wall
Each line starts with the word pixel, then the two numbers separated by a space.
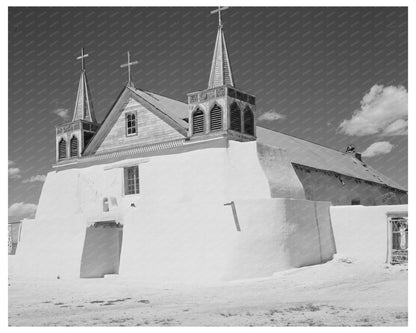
pixel 324 185
pixel 283 181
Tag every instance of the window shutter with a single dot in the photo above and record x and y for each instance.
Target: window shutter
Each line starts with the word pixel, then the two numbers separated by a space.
pixel 248 121
pixel 62 149
pixel 74 146
pixel 198 122
pixel 235 118
pixel 216 118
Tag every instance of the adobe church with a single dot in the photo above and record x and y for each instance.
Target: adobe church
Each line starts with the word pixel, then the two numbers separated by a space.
pixel 165 190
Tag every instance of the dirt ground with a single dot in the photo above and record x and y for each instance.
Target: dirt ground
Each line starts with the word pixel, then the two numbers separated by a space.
pixel 339 293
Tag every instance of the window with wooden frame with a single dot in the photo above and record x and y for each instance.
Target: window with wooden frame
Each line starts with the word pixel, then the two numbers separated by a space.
pixel 198 122
pixel 248 121
pixel 131 123
pixel 61 149
pixel 235 117
pixel 74 146
pixel 131 180
pixel 215 118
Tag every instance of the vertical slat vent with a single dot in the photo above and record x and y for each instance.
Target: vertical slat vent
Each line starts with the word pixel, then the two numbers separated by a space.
pixel 235 118
pixel 198 122
pixel 74 146
pixel 248 121
pixel 62 149
pixel 216 118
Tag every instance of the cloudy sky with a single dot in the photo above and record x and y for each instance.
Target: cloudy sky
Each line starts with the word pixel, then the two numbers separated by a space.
pixel 334 76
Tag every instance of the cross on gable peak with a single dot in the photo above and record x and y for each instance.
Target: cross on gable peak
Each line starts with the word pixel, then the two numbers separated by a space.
pixel 128 65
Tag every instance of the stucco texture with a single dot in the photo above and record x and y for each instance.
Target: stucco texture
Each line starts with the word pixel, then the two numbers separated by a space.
pixel 361 232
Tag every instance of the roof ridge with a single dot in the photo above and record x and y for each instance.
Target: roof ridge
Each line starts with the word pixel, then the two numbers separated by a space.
pixel 293 136
pixel 168 113
pixel 173 99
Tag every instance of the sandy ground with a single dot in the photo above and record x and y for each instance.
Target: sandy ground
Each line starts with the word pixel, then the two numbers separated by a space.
pixel 338 293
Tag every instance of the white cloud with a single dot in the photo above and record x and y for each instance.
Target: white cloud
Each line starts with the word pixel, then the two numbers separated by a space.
pixel 37 178
pixel 61 112
pixel 11 163
pixel 14 173
pixel 20 210
pixel 383 111
pixel 378 148
pixel 272 116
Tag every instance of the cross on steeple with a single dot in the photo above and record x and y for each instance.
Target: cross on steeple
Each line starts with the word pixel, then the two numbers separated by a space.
pixel 81 57
pixel 220 67
pixel 219 14
pixel 128 65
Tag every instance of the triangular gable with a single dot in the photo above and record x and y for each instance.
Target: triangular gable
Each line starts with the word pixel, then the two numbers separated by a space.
pixel 173 126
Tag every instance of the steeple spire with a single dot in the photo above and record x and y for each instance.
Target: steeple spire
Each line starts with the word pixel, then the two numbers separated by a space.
pixel 83 104
pixel 220 68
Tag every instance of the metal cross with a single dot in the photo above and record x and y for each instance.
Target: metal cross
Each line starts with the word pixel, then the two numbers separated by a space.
pixel 128 65
pixel 219 13
pixel 81 57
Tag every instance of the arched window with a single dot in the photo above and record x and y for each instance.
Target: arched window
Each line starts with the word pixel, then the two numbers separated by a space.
pixel 62 149
pixel 198 122
pixel 235 117
pixel 74 146
pixel 248 121
pixel 215 118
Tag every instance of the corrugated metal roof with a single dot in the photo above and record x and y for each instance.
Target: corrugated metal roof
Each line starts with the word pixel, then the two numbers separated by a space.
pixel 319 157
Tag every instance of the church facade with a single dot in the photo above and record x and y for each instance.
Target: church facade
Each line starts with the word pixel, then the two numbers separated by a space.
pixel 172 190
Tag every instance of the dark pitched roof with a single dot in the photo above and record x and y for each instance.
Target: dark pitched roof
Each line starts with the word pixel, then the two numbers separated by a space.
pixel 299 151
pixel 319 157
pixel 313 155
pixel 167 105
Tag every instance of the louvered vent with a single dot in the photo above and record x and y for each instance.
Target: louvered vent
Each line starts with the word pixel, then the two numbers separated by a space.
pixel 74 146
pixel 62 149
pixel 216 118
pixel 235 118
pixel 198 122
pixel 248 121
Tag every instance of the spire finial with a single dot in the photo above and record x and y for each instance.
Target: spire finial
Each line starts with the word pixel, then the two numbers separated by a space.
pixel 220 67
pixel 219 14
pixel 128 65
pixel 83 104
pixel 81 57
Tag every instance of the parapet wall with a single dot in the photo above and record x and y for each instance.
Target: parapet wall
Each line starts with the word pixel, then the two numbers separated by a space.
pixel 361 232
pixel 201 242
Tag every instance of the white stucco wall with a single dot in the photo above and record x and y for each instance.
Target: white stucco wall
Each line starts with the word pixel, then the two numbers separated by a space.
pixel 179 229
pixel 199 242
pixel 49 248
pixel 209 174
pixel 361 232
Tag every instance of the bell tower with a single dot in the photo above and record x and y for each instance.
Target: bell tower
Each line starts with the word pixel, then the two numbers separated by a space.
pixel 221 109
pixel 73 137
